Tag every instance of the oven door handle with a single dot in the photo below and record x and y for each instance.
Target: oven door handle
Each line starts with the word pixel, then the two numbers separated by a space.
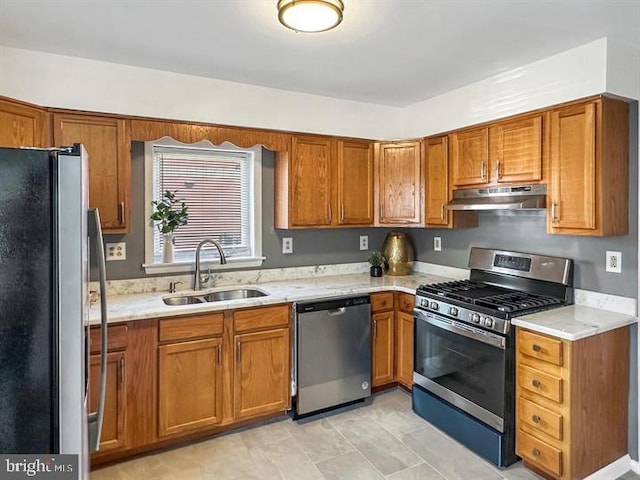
pixel 461 329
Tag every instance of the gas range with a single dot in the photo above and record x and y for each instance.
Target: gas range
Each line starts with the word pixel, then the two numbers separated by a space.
pixel 502 285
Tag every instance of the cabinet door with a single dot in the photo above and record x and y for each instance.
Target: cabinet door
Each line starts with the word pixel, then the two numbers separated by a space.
pixel 382 338
pixel 310 182
pixel 189 385
pixel 262 372
pixel 516 150
pixel 469 157
pixel 573 165
pixel 355 183
pixel 399 183
pixel 115 408
pixel 437 181
pixel 108 145
pixel 22 125
pixel 404 348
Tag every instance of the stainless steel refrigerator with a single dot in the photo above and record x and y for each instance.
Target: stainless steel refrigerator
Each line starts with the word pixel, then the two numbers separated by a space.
pixel 45 233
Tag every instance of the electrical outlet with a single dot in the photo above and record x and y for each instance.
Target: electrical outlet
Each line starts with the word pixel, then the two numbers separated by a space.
pixel 437 244
pixel 287 245
pixel 364 242
pixel 116 251
pixel 614 262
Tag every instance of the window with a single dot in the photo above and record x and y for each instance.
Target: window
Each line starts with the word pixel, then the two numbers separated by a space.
pixel 222 187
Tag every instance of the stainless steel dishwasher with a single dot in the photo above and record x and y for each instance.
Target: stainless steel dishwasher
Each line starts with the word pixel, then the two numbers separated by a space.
pixel 332 353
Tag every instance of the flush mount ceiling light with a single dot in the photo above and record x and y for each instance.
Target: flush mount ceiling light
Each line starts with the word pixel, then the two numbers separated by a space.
pixel 310 15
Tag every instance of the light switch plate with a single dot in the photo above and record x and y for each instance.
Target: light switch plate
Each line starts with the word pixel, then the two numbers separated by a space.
pixel 437 244
pixel 287 245
pixel 614 262
pixel 116 251
pixel 364 242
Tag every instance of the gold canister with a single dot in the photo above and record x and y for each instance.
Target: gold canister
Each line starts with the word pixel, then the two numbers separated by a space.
pixel 398 251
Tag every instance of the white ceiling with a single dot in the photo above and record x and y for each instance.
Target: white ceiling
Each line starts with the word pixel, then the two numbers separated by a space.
pixel 393 52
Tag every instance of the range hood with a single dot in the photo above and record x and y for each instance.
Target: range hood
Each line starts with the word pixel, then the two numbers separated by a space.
pixel 524 197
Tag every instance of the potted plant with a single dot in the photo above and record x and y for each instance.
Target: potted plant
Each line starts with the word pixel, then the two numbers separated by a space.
pixel 376 260
pixel 169 213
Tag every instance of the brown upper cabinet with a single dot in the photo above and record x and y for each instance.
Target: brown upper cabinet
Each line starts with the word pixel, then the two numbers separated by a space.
pixel 589 157
pixel 504 152
pixel 438 188
pixel 23 125
pixel 323 182
pixel 107 141
pixel 399 183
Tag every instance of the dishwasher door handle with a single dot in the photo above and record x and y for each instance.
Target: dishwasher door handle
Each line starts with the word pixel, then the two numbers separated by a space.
pixel 334 312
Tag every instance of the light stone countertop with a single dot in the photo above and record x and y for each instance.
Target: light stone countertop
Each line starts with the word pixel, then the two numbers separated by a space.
pixel 574 322
pixel 122 308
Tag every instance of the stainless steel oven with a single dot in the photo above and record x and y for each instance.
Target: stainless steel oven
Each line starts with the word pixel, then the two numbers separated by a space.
pixel 465 365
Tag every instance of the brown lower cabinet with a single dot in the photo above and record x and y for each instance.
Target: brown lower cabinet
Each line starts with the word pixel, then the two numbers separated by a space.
pixel 191 376
pixel 404 339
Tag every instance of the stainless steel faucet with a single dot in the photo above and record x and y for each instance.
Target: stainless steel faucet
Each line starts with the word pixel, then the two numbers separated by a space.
pixel 197 279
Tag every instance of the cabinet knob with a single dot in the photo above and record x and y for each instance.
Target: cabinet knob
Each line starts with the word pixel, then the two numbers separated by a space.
pixel 535 419
pixel 535 452
pixel 535 383
pixel 536 348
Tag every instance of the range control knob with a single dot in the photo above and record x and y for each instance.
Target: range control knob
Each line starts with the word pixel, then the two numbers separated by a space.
pixel 424 302
pixel 453 311
pixel 488 322
pixel 475 318
pixel 434 306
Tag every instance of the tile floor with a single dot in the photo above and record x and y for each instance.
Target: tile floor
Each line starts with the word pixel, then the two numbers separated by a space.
pixel 381 438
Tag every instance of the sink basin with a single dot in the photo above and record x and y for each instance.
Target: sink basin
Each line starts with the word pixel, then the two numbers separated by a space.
pixel 235 294
pixel 224 295
pixel 174 301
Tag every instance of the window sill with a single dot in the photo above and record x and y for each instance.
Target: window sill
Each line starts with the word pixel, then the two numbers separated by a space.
pixel 180 267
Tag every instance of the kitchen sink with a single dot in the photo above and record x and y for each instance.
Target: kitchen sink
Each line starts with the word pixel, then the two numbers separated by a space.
pixel 236 294
pixel 224 295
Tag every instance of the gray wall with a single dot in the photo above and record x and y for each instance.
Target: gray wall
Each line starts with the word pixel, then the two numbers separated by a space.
pixel 311 247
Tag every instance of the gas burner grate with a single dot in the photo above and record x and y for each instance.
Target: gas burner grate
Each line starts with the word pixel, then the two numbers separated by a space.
pixel 518 302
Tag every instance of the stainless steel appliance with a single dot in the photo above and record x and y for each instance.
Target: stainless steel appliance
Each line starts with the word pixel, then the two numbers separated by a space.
pixel 464 348
pixel 45 226
pixel 522 197
pixel 332 353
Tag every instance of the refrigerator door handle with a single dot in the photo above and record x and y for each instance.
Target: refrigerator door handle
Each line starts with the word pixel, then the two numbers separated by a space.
pixel 95 418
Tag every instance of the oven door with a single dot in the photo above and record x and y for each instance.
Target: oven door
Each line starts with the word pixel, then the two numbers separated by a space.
pixel 461 364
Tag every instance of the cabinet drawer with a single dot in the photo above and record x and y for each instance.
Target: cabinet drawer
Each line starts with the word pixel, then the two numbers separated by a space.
pixel 187 328
pixel 381 301
pixel 540 347
pixel 259 318
pixel 539 453
pixel 540 418
pixel 116 338
pixel 539 382
pixel 406 302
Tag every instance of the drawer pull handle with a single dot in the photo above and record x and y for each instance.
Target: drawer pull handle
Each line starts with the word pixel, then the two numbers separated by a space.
pixel 535 452
pixel 535 383
pixel 536 348
pixel 536 419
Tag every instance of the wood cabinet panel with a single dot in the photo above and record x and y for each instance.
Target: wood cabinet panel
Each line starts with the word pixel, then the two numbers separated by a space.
pixel 437 181
pixel 399 183
pixel 189 383
pixel 540 347
pixel 469 157
pixel 589 162
pixel 405 302
pixel 541 383
pixel 115 408
pixel 404 348
pixel 540 418
pixel 261 373
pixel 108 145
pixel 516 150
pixel 381 301
pixel 543 455
pixel 23 125
pixel 189 328
pixel 260 318
pixel 116 338
pixel 355 182
pixel 383 348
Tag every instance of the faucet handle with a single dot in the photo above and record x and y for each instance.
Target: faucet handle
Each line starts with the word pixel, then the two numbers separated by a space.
pixel 173 285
